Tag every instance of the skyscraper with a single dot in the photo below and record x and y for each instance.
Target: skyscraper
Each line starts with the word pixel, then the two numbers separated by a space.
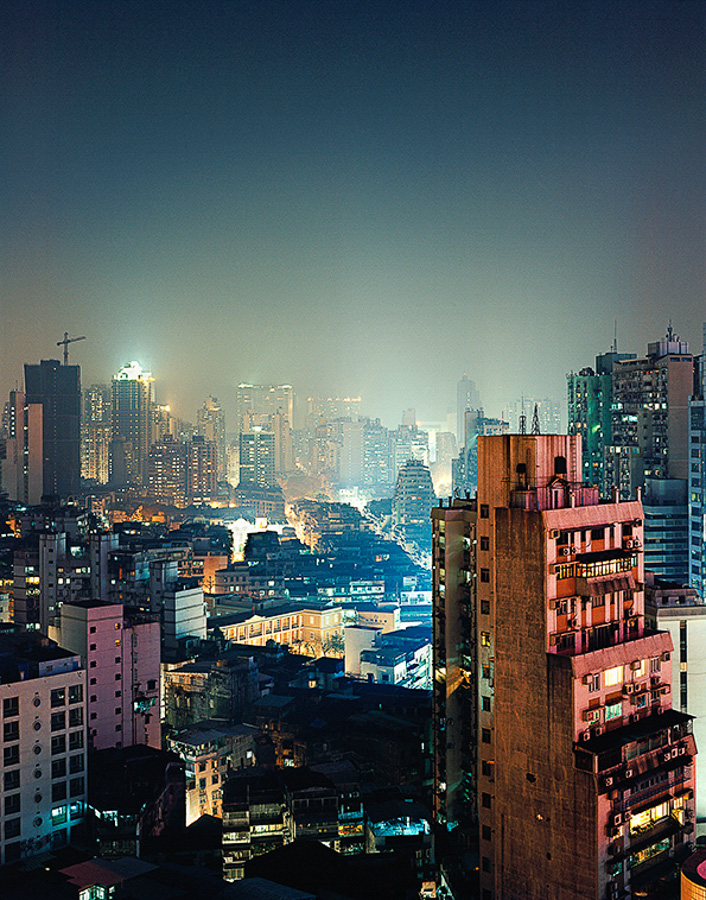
pixel 257 457
pixel 560 766
pixel 58 389
pixel 131 419
pixel 697 479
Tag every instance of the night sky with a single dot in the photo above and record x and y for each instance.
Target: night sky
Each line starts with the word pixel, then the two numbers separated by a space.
pixel 354 197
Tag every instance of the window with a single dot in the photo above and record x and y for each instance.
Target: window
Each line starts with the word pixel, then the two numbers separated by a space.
pixel 76 786
pixel 58 697
pixel 93 681
pixel 117 660
pixel 118 693
pixel 487 768
pixel 11 731
pixel 485 735
pixel 92 629
pixel 58 791
pixel 486 864
pixel 76 764
pixel 92 665
pixel 484 511
pixel 117 676
pixel 12 828
pixel 12 804
pixel 76 740
pixel 58 721
pixel 486 704
pixel 11 755
pixel 485 607
pixel 611 677
pixel 94 698
pixel 75 693
pixel 93 647
pixel 613 710
pixel 486 833
pixel 58 768
pixel 485 575
pixel 486 671
pixel 11 780
pixel 655 664
pixel 202 784
pixel 58 744
pixel 11 706
pixel 485 638
pixel 117 710
pixel 485 543
pixel 75 717
pixel 485 800
pixel 594 683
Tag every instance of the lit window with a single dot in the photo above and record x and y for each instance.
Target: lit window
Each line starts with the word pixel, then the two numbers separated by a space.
pixel 485 638
pixel 611 677
pixel 613 710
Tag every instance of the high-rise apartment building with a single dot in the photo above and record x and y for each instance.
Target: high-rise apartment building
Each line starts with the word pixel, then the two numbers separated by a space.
pixel 58 389
pixel 96 433
pixel 211 425
pixel 23 466
pixel 257 457
pixel 166 471
pixel 43 705
pixel 201 469
pixel 254 403
pixel 697 479
pixel 131 419
pixel 122 661
pixel 650 423
pixel 561 768
pixel 589 405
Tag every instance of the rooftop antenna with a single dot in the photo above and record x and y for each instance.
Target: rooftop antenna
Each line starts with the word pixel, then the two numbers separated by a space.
pixel 67 340
pixel 523 419
pixel 615 337
pixel 535 421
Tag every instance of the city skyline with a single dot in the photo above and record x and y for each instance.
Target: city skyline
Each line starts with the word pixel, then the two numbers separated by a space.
pixel 334 195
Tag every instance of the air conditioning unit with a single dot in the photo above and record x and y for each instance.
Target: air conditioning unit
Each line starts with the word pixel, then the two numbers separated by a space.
pixel 626 817
pixel 665 689
pixel 654 680
pixel 587 679
pixel 628 688
pixel 555 534
pixel 636 543
pixel 572 548
pixel 682 750
pixel 617 819
pixel 591 715
pixel 553 640
pixel 628 773
pixel 565 551
pixel 586 735
pixel 609 781
pixel 598 731
pixel 665 657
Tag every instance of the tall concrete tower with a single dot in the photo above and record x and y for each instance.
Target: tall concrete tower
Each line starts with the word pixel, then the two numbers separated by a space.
pixel 131 419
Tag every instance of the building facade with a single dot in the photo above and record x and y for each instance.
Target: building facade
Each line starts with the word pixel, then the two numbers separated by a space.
pixel 131 420
pixel 578 775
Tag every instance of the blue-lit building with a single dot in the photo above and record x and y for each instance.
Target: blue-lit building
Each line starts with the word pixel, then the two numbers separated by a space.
pixel 697 479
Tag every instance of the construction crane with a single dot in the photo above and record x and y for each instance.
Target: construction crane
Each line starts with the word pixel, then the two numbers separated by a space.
pixel 67 340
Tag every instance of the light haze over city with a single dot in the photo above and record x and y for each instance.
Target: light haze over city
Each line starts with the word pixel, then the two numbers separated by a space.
pixel 357 199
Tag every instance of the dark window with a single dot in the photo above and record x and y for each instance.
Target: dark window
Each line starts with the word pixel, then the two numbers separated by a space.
pixel 117 676
pixel 486 833
pixel 560 465
pixel 486 864
pixel 11 755
pixel 484 511
pixel 76 693
pixel 93 681
pixel 118 693
pixel 12 828
pixel 58 721
pixel 76 740
pixel 58 791
pixel 151 684
pixel 58 768
pixel 11 731
pixel 486 704
pixel 58 744
pixel 93 647
pixel 12 804
pixel 485 575
pixel 58 697
pixel 597 534
pixel 11 780
pixel 76 764
pixel 75 717
pixel 92 629
pixel 13 851
pixel 485 735
pixel 11 706
pixel 76 786
pixel 92 664
pixel 485 800
pixel 485 543
pixel 487 768
pixel 485 607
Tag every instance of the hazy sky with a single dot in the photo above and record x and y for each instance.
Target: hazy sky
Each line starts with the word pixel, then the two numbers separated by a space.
pixel 355 197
